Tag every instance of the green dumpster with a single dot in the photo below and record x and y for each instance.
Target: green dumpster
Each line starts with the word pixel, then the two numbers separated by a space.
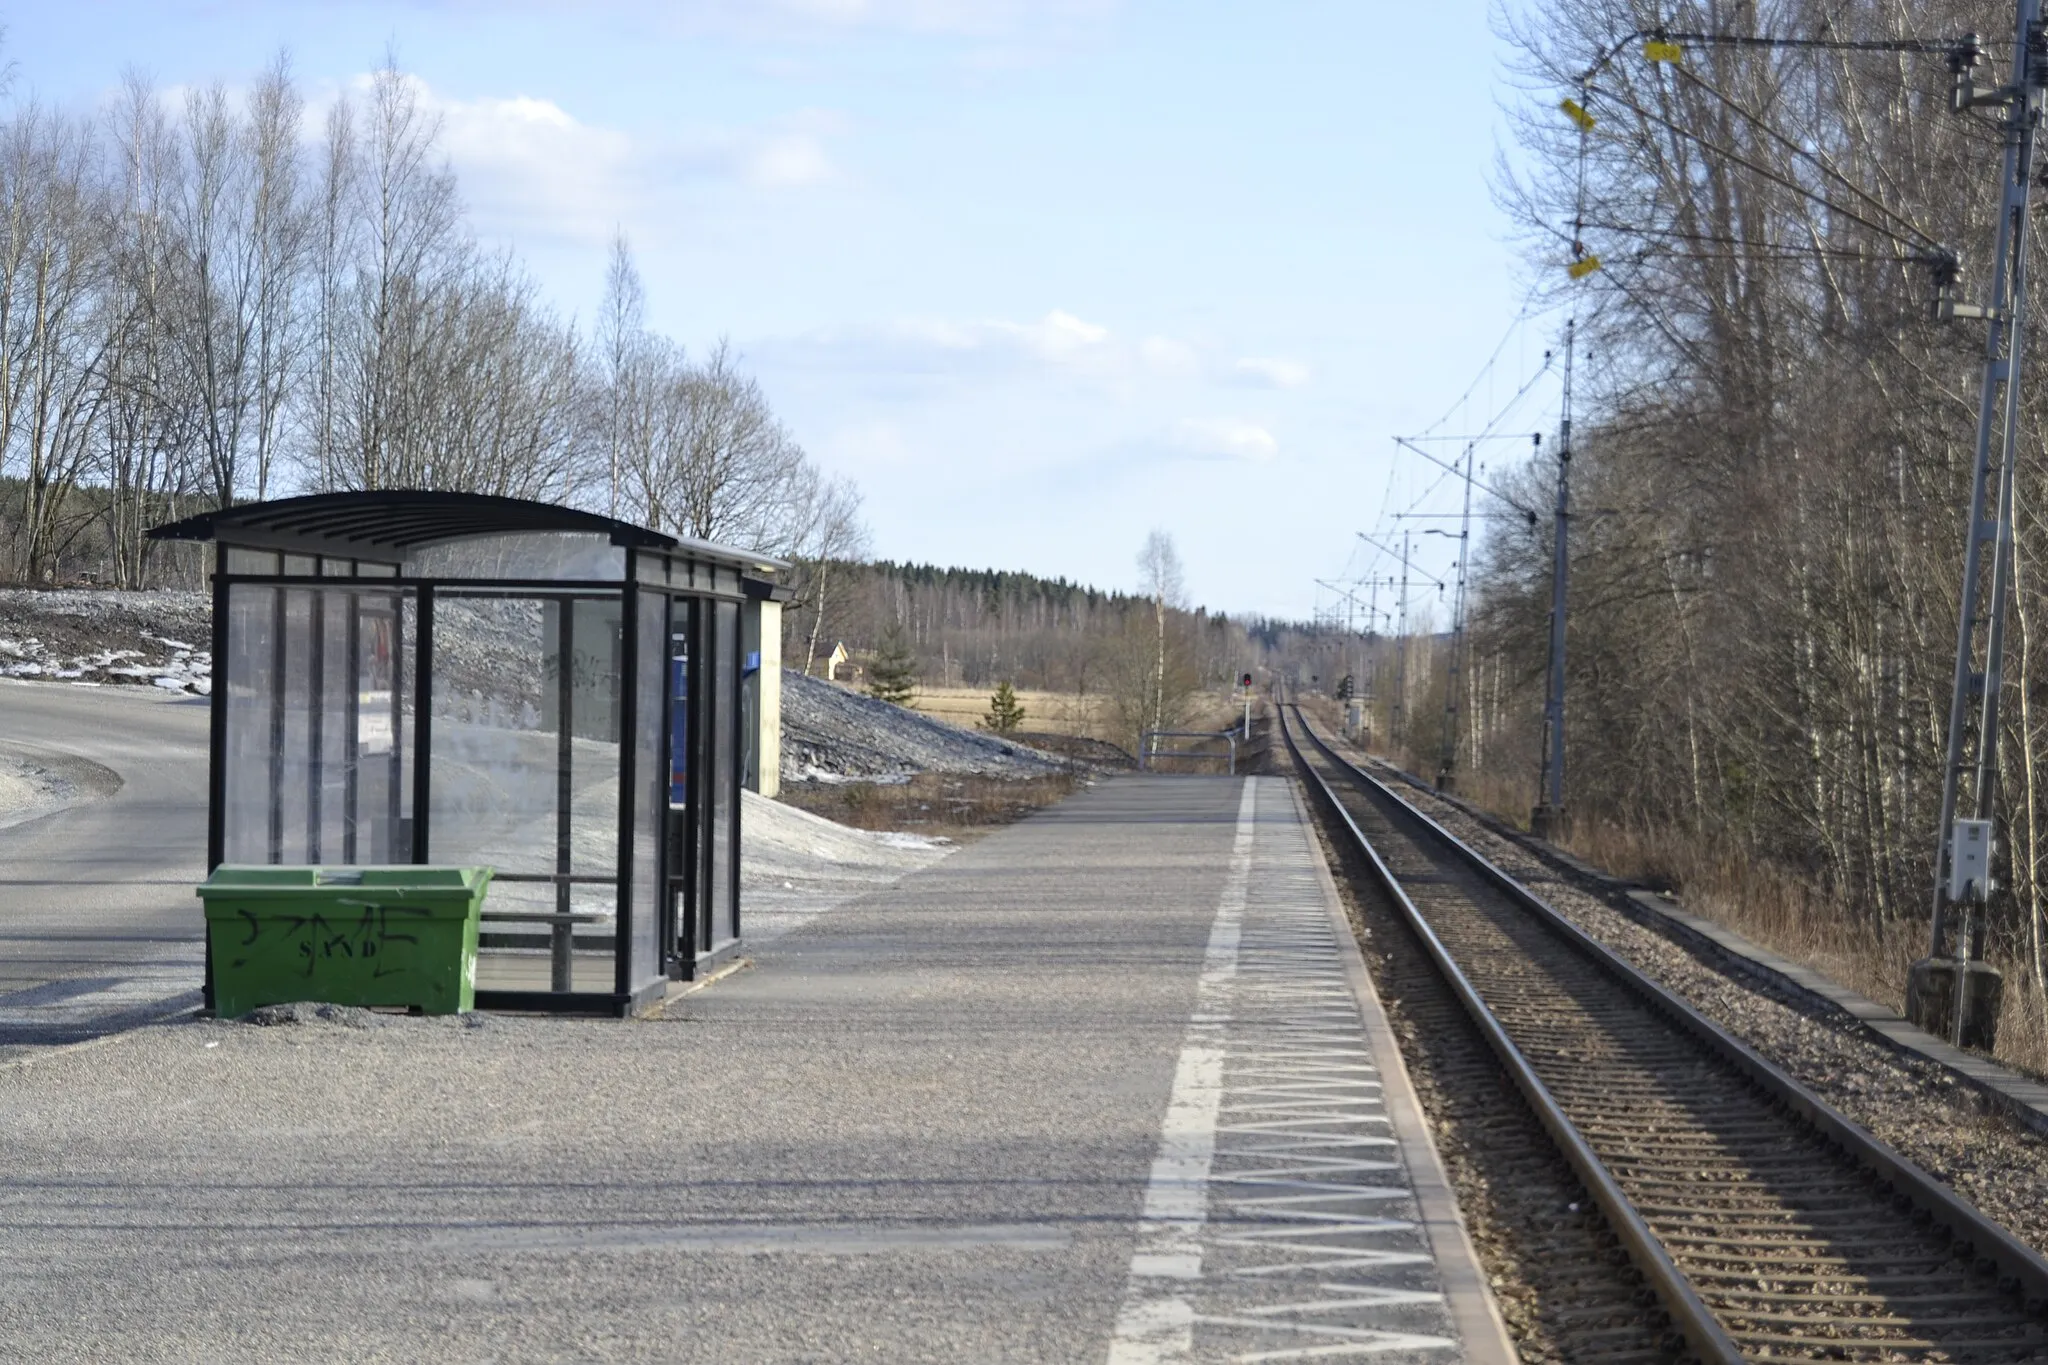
pixel 344 936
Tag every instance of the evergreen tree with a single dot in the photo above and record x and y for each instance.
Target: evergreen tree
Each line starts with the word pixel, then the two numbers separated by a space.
pixel 1004 712
pixel 893 675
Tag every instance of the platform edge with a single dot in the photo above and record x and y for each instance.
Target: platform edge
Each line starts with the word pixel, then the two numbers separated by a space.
pixel 1482 1333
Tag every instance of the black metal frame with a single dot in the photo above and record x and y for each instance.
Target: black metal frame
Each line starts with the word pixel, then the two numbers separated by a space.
pixel 341 529
pixel 716 688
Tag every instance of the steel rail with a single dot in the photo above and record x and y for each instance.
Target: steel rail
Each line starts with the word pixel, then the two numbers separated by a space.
pixel 1972 1235
pixel 1689 1313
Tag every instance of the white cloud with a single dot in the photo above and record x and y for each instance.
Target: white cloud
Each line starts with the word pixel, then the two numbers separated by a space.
pixel 869 446
pixel 951 18
pixel 791 153
pixel 530 168
pixel 789 161
pixel 529 165
pixel 1271 372
pixel 1227 438
pixel 1059 337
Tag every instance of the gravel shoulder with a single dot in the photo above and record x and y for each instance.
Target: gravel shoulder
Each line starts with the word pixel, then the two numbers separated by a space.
pixel 28 790
pixel 1922 1109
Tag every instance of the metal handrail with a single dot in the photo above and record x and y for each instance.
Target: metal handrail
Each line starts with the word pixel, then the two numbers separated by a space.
pixel 1147 750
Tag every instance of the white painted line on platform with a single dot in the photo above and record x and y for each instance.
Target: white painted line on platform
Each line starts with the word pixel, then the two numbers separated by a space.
pixel 1157 1321
pixel 1281 1205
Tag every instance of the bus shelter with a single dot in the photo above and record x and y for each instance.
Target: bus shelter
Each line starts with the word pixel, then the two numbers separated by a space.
pixel 452 678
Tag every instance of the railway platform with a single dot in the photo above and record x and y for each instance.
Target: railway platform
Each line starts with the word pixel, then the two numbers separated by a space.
pixel 1110 1084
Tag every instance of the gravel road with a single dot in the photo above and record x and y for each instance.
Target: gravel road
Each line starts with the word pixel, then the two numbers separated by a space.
pixel 29 790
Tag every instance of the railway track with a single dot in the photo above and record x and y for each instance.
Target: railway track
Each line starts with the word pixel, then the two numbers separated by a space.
pixel 1769 1226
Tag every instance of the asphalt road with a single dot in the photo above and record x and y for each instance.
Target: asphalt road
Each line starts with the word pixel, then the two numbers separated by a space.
pixel 98 924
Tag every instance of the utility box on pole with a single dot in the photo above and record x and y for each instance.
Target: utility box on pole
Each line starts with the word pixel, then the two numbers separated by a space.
pixel 1969 861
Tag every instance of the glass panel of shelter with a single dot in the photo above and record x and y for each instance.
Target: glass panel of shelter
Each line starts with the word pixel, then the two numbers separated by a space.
pixel 703 787
pixel 652 778
pixel 317 764
pixel 701 907
pixel 722 921
pixel 525 778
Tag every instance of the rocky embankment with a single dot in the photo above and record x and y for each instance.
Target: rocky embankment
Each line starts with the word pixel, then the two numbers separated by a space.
pixel 148 639
pixel 831 733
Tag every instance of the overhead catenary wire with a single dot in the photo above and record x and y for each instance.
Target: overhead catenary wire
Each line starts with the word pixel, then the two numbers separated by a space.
pixel 1712 239
pixel 1522 315
pixel 1937 251
pixel 1813 158
pixel 1936 46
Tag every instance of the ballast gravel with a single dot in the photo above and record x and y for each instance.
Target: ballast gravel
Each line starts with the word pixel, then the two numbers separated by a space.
pixel 1919 1107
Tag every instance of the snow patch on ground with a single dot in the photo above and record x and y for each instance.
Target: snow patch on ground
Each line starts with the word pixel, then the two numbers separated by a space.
pixel 29 790
pixel 795 866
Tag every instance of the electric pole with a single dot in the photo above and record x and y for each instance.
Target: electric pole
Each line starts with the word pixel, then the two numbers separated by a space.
pixel 1447 764
pixel 1546 821
pixel 1401 653
pixel 1939 986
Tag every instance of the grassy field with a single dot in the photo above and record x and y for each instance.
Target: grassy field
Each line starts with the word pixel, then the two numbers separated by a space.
pixel 1063 713
pixel 1059 713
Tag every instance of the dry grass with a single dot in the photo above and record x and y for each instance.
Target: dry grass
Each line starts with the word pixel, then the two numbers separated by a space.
pixel 1767 905
pixel 1059 713
pixel 1789 916
pixel 962 808
pixel 1069 713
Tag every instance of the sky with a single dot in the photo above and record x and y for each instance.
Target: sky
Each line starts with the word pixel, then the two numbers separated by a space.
pixel 1038 275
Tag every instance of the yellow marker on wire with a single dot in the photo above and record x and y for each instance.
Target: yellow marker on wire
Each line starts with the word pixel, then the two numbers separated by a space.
pixel 1576 112
pixel 1658 50
pixel 1582 267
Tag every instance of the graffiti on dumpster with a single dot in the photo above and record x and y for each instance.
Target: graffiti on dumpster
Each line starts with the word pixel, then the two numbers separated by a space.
pixel 375 938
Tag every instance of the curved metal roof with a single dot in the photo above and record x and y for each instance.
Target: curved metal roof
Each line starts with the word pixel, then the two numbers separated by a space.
pixel 388 523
